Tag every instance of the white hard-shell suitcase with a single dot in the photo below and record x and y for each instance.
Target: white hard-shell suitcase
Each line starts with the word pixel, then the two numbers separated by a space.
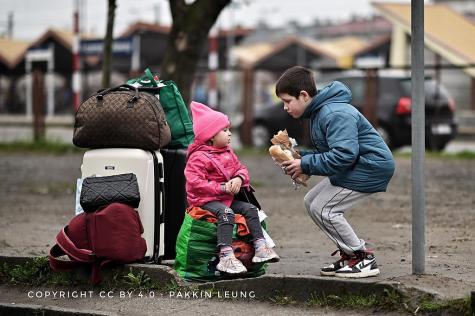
pixel 148 167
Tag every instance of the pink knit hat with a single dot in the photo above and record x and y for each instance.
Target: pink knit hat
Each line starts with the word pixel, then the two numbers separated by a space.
pixel 207 122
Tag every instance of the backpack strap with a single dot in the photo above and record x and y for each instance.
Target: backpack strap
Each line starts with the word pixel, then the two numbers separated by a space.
pixel 64 246
pixel 82 255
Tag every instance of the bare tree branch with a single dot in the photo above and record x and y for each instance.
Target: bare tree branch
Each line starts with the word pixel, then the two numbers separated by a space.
pixel 187 40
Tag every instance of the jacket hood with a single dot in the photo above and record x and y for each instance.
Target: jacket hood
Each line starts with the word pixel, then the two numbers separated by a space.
pixel 198 145
pixel 335 92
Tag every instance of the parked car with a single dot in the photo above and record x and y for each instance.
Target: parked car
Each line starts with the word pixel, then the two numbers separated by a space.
pixel 393 113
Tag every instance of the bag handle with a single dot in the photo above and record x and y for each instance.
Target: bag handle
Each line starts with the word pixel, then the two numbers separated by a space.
pixel 64 246
pixel 101 93
pixel 82 255
pixel 125 86
pixel 58 264
pixel 149 74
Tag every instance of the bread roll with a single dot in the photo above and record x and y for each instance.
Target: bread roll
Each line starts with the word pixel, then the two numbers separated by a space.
pixel 281 155
pixel 281 138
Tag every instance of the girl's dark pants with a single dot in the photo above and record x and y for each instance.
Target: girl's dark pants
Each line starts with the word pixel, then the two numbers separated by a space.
pixel 225 217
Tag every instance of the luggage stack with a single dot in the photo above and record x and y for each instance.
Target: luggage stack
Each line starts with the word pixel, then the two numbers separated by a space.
pixel 148 168
pixel 109 122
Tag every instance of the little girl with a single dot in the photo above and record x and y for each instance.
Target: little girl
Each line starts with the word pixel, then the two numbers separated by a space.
pixel 213 175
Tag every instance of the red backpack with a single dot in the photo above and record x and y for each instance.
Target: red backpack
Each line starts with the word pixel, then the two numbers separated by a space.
pixel 111 234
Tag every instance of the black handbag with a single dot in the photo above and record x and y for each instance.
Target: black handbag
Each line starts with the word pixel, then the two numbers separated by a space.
pixel 97 192
pixel 247 195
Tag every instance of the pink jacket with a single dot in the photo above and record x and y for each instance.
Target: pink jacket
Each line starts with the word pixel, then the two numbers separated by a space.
pixel 204 178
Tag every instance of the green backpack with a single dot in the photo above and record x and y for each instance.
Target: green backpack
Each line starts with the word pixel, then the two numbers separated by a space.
pixel 175 109
pixel 196 254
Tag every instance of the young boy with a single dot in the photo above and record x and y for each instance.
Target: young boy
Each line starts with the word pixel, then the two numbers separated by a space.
pixel 349 152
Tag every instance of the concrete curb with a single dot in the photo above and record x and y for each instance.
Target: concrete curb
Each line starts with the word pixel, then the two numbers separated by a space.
pixel 300 288
pixel 30 309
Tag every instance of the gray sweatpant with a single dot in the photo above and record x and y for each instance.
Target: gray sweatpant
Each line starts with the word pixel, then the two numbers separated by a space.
pixel 326 205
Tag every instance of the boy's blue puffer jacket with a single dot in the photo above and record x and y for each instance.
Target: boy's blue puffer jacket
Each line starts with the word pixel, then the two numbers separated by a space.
pixel 349 150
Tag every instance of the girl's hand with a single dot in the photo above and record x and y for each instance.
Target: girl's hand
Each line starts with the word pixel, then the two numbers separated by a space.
pixel 234 185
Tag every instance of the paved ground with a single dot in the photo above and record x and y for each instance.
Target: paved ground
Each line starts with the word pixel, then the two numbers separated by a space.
pixel 37 199
pixel 135 305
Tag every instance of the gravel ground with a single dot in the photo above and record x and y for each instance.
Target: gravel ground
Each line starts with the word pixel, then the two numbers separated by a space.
pixel 37 199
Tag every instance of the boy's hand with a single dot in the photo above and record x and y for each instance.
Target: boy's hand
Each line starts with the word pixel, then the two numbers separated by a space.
pixel 234 185
pixel 292 168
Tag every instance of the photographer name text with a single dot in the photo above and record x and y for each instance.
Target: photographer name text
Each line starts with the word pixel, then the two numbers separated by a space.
pixel 128 294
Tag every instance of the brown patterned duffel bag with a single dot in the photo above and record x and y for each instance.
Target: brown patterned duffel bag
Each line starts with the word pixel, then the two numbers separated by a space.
pixel 123 116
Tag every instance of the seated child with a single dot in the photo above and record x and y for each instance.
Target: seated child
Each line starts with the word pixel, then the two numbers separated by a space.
pixel 213 175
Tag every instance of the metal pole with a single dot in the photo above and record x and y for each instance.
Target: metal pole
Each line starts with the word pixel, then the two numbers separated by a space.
pixel 418 136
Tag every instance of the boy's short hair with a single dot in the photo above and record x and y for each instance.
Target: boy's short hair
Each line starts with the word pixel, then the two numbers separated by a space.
pixel 294 80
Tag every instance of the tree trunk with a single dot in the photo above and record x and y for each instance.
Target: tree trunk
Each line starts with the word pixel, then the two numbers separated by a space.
pixel 187 39
pixel 106 61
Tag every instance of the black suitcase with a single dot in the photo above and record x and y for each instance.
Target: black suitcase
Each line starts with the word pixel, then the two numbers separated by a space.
pixel 174 161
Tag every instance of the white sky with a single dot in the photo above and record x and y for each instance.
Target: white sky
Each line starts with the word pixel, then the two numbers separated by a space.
pixel 33 17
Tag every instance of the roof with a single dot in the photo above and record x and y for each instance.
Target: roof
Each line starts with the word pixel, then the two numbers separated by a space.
pixel 165 29
pixel 252 54
pixel 447 32
pixel 12 51
pixel 63 37
pixel 343 49
pixel 373 45
pixel 144 26
pixel 375 24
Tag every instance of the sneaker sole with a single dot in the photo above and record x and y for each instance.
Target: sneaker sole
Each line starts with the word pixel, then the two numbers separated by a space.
pixel 325 273
pixel 262 260
pixel 362 274
pixel 232 273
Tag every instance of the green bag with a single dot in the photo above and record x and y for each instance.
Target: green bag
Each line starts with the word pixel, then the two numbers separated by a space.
pixel 175 109
pixel 196 254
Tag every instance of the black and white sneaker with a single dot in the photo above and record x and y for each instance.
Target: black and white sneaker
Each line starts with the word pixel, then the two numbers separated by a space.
pixel 330 269
pixel 362 266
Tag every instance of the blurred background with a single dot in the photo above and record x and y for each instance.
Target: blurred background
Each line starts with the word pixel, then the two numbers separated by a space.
pixel 52 57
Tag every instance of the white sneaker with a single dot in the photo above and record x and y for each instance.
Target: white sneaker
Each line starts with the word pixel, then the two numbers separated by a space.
pixel 265 254
pixel 363 266
pixel 330 269
pixel 231 265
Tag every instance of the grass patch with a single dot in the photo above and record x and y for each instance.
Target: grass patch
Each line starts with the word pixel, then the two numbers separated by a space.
pixel 37 272
pixel 282 300
pixel 462 155
pixel 41 146
pixel 448 307
pixel 389 300
pixel 393 301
